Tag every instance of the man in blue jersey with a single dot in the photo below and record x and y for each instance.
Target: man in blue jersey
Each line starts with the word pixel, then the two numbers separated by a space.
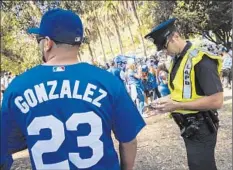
pixel 114 70
pixel 64 111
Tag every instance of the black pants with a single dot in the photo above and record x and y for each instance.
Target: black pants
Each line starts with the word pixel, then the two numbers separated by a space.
pixel 200 149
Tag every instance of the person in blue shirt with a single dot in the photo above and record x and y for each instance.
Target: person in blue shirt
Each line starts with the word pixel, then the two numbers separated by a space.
pixel 135 87
pixel 149 84
pixel 152 67
pixel 114 70
pixel 163 80
pixel 64 111
pixel 117 71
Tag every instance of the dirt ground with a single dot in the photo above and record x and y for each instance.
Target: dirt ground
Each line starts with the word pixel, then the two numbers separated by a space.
pixel 160 146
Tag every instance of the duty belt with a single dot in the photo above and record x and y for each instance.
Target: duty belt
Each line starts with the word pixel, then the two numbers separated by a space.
pixel 210 117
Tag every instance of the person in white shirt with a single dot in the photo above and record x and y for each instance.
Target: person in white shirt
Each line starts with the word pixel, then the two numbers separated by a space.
pixel 226 69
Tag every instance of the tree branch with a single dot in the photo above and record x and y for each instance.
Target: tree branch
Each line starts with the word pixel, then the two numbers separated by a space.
pixel 218 34
pixel 207 35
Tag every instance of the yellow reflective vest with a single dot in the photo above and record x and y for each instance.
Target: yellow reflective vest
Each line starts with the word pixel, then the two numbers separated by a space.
pixel 184 81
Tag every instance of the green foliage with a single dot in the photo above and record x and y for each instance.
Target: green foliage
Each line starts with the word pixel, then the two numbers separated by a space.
pixel 110 26
pixel 198 17
pixel 18 47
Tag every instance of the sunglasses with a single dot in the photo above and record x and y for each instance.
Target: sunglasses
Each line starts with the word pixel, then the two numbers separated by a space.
pixel 167 43
pixel 39 38
pixel 168 39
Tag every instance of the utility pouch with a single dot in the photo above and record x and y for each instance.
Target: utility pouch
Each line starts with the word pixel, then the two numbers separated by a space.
pixel 212 120
pixel 189 124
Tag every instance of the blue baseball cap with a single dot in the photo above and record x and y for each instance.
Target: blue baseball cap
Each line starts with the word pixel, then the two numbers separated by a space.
pixel 159 34
pixel 145 69
pixel 60 25
pixel 120 59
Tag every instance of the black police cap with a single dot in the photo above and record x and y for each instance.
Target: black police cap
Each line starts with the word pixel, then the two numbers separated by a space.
pixel 159 34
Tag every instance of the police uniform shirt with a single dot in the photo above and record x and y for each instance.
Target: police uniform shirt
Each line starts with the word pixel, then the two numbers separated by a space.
pixel 207 78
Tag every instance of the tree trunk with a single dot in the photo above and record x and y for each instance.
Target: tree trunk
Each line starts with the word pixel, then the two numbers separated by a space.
pixel 135 12
pixel 186 36
pixel 143 44
pixel 98 31
pixel 94 52
pixel 90 51
pixel 218 39
pixel 87 31
pixel 139 25
pixel 110 44
pixel 118 36
pixel 109 41
pixel 208 36
pixel 79 56
pixel 131 36
pixel 229 45
pixel 101 42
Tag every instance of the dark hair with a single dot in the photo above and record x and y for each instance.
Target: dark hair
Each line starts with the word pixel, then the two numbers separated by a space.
pixel 112 63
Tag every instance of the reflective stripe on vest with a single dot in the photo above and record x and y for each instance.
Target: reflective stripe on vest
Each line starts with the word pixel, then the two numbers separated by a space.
pixel 187 89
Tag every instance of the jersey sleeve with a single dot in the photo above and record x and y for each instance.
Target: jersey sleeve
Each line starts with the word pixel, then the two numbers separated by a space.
pixel 12 138
pixel 127 121
pixel 208 77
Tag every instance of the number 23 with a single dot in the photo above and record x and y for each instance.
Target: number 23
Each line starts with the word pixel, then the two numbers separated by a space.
pixel 58 137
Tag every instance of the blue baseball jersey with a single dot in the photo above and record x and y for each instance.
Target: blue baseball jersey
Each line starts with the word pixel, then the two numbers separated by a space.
pixel 64 115
pixel 115 72
pixel 150 83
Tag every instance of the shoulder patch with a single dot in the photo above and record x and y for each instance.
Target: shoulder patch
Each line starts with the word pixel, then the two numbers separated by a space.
pixel 193 53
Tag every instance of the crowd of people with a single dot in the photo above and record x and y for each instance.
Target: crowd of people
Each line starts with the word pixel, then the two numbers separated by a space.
pixel 226 54
pixel 147 79
pixel 227 68
pixel 6 78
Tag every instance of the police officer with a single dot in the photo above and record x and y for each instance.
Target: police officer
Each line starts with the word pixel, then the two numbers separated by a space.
pixel 196 94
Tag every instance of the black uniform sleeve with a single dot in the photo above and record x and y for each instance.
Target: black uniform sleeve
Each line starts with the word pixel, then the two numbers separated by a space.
pixel 207 76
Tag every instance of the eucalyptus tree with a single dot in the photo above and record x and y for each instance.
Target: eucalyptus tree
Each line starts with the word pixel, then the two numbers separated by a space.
pixel 18 50
pixel 111 13
pixel 93 21
pixel 126 17
pixel 131 6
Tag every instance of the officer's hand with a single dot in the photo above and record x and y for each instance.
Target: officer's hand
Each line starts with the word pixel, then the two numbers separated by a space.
pixel 154 112
pixel 159 100
pixel 165 105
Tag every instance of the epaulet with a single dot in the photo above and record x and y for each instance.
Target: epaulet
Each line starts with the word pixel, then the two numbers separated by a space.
pixel 193 52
